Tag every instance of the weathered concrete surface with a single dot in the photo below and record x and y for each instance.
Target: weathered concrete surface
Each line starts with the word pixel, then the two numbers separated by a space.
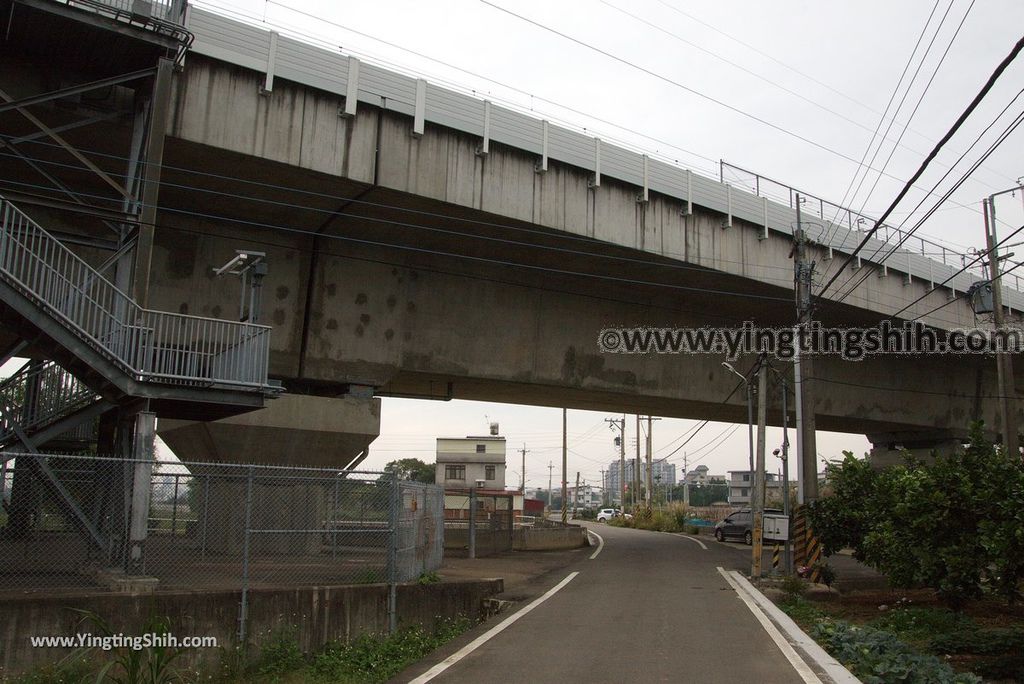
pixel 414 266
pixel 294 429
pixel 548 538
pixel 313 616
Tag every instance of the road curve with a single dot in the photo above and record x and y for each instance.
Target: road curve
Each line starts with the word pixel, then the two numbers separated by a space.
pixel 649 607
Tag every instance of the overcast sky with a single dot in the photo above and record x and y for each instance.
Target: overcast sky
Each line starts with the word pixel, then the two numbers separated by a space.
pixel 817 75
pixel 813 79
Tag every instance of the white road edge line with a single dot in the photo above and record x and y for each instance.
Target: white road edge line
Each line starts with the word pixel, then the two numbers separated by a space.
pixel 600 544
pixel 693 539
pixel 787 649
pixel 796 636
pixel 490 634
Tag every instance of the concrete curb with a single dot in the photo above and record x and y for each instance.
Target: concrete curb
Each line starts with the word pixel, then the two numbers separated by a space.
pixel 825 663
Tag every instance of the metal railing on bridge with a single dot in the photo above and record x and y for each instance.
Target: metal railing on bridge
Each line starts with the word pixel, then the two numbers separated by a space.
pixel 152 346
pixel 832 215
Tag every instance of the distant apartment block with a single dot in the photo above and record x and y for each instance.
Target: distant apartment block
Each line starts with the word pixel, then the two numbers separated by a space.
pixel 663 474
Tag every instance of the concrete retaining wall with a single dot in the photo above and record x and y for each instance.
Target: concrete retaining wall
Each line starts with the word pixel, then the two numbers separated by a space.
pixel 549 539
pixel 313 616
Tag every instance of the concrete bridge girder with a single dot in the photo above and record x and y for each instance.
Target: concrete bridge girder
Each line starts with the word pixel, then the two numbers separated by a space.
pixel 384 306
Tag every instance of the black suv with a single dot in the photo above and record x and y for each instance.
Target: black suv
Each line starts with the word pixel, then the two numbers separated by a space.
pixel 738 525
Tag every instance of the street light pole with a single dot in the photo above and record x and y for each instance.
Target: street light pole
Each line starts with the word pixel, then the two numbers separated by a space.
pixel 750 410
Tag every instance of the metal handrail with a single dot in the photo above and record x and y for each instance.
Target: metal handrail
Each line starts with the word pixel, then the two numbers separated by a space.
pixel 148 345
pixel 852 220
pixel 38 395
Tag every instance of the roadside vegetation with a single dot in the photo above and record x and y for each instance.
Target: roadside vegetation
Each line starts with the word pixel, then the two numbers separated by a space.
pixel 949 537
pixel 676 517
pixel 955 526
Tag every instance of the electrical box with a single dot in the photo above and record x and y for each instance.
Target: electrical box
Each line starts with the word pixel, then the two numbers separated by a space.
pixel 776 527
pixel 980 294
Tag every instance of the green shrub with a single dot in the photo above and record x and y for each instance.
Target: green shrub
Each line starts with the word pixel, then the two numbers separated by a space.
pixel 373 658
pixel 919 623
pixel 878 657
pixel 280 654
pixel 793 586
pixel 802 611
pixel 953 525
pixel 429 578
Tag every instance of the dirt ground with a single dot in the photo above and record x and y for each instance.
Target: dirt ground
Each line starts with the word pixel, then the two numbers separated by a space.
pixel 524 572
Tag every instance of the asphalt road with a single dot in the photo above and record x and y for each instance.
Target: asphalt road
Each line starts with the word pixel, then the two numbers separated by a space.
pixel 650 607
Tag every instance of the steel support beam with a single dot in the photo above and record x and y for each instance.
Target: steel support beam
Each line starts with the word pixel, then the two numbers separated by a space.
pixel 74 90
pixel 152 167
pixel 68 147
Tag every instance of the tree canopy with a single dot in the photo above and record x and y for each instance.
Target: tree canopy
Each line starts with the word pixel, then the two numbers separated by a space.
pixel 412 469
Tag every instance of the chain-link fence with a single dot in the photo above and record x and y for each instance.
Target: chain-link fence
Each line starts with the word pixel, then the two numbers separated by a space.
pixel 478 523
pixel 91 523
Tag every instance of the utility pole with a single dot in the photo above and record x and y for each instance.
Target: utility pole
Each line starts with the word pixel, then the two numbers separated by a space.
pixel 1004 361
pixel 636 468
pixel 787 558
pixel 522 485
pixel 686 483
pixel 806 446
pixel 621 426
pixel 604 489
pixel 576 494
pixel 650 480
pixel 565 466
pixel 757 509
pixel 551 466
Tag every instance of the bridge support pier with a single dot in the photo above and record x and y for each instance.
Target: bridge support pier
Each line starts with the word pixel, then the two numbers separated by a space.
pixel 294 430
pixel 890 448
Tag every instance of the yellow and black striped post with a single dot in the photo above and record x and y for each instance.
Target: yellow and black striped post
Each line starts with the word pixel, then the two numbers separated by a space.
pixel 775 559
pixel 813 555
pixel 800 537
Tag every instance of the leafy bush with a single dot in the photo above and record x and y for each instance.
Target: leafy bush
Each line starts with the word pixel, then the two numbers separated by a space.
pixel 878 657
pixel 585 514
pixel 954 525
pixel 793 586
pixel 429 578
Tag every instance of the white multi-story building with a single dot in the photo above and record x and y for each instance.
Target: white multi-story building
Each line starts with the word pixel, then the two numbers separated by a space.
pixel 700 476
pixel 471 462
pixel 741 486
pixel 588 496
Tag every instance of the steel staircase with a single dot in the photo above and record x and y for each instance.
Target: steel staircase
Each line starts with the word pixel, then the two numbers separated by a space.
pixel 95 348
pixel 188 366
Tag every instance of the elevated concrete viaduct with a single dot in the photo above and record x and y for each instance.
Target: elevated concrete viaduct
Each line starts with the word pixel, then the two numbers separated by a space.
pixel 409 256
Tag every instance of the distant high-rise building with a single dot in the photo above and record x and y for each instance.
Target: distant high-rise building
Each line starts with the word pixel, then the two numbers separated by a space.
pixel 663 474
